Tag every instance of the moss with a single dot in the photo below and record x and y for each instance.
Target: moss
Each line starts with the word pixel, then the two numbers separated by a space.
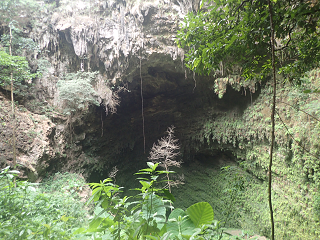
pixel 296 168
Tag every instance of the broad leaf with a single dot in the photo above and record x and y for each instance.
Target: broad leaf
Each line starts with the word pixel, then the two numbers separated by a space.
pixel 180 225
pixel 200 213
pixel 94 224
pixel 169 195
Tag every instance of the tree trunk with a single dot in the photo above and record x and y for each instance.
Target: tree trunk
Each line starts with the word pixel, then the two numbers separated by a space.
pixel 272 119
pixel 13 111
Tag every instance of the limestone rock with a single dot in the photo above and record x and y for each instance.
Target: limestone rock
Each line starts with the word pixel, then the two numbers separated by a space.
pixel 33 143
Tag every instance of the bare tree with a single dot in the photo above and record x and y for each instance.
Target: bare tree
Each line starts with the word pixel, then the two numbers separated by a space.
pixel 165 151
pixel 113 173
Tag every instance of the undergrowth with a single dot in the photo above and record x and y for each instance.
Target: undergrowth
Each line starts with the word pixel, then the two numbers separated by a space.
pixel 53 210
pixel 39 211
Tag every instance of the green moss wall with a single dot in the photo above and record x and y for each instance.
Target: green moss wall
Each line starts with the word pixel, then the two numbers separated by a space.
pixel 296 168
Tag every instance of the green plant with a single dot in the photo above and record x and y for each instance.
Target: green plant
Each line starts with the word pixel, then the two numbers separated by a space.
pixel 296 166
pixel 76 91
pixel 64 182
pixel 316 207
pixel 235 186
pixel 26 212
pixel 16 65
pixel 20 45
pixel 224 35
pixel 143 216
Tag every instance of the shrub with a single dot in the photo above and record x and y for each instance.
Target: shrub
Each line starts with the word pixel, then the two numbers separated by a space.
pixel 26 212
pixel 317 207
pixel 144 216
pixel 76 91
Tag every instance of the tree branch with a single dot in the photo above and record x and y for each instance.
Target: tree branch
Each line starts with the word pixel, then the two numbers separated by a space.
pixel 301 111
pixel 287 44
pixel 241 5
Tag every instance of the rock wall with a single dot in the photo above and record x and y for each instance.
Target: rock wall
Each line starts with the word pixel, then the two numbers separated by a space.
pixel 109 36
pixel 132 46
pixel 128 43
pixel 38 139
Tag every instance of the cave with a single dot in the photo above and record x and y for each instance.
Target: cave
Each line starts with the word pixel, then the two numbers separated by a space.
pixel 169 99
pixel 143 84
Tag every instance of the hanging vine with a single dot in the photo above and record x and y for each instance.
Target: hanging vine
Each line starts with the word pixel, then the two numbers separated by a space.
pixel 142 114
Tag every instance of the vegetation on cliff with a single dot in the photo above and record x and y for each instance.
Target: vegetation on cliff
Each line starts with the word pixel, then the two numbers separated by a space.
pixel 252 40
pixel 227 40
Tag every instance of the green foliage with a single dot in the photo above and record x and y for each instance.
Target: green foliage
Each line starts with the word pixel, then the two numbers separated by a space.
pixel 296 165
pixel 223 189
pixel 21 75
pixel 20 44
pixel 317 207
pixel 52 210
pixel 16 14
pixel 10 9
pixel 200 213
pixel 64 182
pixel 77 92
pixel 43 65
pixel 26 212
pixel 233 33
pixel 143 216
pixel 16 65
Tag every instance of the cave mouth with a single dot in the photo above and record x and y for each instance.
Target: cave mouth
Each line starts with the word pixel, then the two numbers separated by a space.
pixel 170 99
pixel 215 158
